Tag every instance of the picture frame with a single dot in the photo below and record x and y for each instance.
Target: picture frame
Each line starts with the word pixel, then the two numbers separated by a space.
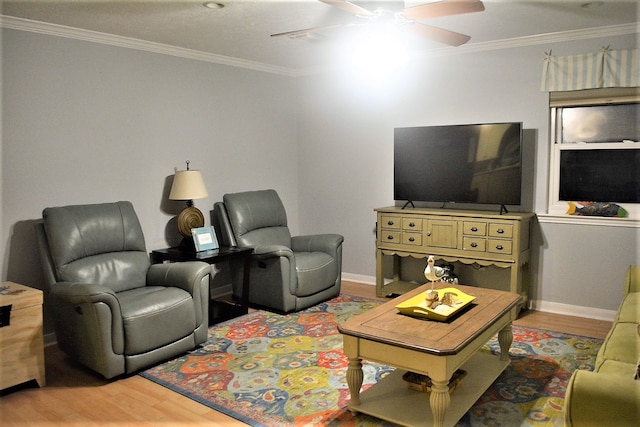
pixel 204 239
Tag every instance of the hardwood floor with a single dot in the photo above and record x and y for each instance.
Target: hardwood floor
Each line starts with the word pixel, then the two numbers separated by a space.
pixel 75 396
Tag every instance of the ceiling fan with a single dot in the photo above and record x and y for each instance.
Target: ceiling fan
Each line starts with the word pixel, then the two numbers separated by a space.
pixel 405 18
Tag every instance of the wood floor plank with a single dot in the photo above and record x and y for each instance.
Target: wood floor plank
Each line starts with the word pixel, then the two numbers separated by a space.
pixel 75 396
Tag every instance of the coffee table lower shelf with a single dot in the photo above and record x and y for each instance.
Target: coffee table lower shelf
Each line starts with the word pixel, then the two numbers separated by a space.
pixel 391 400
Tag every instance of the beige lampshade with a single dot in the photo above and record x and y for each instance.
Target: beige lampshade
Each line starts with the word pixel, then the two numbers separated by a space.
pixel 188 185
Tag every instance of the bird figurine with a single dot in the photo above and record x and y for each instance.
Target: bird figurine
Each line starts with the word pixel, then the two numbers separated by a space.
pixel 432 272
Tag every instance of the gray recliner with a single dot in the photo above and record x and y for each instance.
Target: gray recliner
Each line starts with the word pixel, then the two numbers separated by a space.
pixel 113 311
pixel 287 273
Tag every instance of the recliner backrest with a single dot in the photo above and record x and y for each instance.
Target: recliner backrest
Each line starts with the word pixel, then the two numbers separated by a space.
pixel 222 225
pixel 100 244
pixel 258 218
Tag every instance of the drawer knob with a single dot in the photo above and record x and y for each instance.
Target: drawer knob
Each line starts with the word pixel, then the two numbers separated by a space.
pixel 389 237
pixel 500 231
pixel 390 223
pixel 411 239
pixel 412 224
pixel 499 247
pixel 474 245
pixel 474 229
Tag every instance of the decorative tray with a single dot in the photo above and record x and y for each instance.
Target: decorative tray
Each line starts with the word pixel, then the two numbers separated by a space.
pixel 417 306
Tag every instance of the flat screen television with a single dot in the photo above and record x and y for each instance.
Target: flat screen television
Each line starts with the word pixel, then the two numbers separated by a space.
pixel 470 164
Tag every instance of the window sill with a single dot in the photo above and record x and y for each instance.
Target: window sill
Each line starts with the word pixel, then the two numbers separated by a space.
pixel 588 220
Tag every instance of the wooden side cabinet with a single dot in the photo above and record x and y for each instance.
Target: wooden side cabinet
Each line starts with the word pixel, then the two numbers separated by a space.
pixel 469 237
pixel 21 341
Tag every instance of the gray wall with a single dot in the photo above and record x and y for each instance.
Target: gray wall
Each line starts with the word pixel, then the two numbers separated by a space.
pixel 350 125
pixel 88 123
pixel 84 123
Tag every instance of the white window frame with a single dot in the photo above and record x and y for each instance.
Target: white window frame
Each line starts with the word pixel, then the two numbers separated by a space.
pixel 556 208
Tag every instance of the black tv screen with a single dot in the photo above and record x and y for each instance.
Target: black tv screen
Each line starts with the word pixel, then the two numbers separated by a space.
pixel 475 164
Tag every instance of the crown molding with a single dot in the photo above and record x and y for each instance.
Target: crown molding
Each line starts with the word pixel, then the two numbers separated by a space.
pixel 516 42
pixel 538 39
pixel 131 43
pixel 137 44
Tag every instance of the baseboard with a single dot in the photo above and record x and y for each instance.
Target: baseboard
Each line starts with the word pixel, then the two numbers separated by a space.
pixel 545 306
pixel 573 310
pixel 359 278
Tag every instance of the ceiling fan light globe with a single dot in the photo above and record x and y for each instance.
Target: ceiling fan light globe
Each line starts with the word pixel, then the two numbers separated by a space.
pixel 378 55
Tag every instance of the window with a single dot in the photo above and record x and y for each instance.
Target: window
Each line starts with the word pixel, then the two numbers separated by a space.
pixel 595 152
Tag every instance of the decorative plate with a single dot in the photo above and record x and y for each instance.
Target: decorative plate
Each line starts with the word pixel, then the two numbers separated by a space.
pixel 417 306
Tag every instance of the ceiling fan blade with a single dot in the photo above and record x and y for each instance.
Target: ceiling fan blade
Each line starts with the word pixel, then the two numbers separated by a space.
pixel 349 7
pixel 437 34
pixel 300 33
pixel 442 8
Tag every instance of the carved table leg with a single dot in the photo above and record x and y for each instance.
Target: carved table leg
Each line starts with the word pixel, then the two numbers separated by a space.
pixel 505 338
pixel 355 377
pixel 439 400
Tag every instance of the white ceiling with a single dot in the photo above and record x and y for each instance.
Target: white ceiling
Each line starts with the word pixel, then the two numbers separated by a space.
pixel 242 28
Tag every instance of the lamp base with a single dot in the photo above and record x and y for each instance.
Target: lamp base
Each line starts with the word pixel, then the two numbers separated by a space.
pixel 189 218
pixel 187 245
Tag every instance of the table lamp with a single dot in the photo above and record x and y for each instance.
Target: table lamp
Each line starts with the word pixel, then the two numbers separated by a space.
pixel 188 185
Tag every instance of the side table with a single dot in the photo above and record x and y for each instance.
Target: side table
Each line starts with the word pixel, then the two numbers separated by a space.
pixel 21 341
pixel 219 310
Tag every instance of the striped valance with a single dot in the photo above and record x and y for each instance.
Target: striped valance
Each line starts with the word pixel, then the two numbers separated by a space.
pixel 607 68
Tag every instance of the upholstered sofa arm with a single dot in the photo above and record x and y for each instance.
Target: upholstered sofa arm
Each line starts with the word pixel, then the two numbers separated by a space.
pixel 602 400
pixel 328 243
pixel 632 279
pixel 184 275
pixel 272 251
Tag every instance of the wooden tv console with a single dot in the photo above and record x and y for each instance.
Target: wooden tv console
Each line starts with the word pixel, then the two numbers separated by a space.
pixel 469 237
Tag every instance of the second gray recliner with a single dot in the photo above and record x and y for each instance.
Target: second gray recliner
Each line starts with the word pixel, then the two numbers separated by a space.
pixel 287 273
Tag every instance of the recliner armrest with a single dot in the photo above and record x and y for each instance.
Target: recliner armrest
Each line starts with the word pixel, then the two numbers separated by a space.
pixel 271 251
pixel 328 243
pixel 184 275
pixel 77 294
pixel 83 293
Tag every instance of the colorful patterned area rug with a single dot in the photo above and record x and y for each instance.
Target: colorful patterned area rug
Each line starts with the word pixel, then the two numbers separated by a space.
pixel 273 370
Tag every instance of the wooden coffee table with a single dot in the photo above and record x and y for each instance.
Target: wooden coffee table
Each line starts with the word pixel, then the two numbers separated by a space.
pixel 432 348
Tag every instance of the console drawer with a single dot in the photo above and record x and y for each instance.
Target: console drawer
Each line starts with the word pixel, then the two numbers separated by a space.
pixel 411 224
pixel 412 239
pixel 388 221
pixel 497 246
pixel 504 231
pixel 474 244
pixel 475 228
pixel 390 236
